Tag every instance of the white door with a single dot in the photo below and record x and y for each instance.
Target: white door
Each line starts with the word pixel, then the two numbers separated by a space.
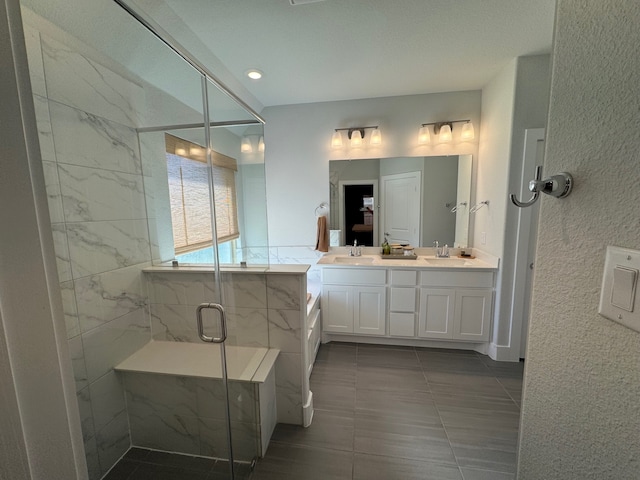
pixel 527 232
pixel 400 199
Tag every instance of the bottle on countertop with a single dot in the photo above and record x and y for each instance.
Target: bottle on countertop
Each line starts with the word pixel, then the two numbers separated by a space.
pixel 386 249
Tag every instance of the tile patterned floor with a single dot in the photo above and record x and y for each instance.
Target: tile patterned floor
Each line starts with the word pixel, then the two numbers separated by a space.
pixel 381 413
pixel 392 413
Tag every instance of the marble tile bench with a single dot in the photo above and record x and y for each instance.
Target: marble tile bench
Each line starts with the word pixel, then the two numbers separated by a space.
pixel 175 399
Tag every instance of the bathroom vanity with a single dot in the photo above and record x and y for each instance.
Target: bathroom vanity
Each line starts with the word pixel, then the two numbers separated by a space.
pixel 406 301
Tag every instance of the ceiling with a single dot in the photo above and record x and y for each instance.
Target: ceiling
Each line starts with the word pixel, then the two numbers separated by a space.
pixel 348 49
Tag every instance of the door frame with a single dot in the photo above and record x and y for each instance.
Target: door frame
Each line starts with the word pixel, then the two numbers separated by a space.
pixel 341 216
pixel 526 227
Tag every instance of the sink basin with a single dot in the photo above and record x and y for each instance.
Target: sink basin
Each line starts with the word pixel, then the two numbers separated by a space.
pixel 354 260
pixel 448 262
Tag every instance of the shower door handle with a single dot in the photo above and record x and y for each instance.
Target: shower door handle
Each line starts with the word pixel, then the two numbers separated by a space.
pixel 223 323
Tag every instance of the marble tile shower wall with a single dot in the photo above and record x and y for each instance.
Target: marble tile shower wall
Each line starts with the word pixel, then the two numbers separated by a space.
pixel 266 310
pixel 94 184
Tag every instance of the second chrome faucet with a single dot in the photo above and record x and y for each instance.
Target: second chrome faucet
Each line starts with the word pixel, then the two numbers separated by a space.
pixel 356 250
pixel 441 252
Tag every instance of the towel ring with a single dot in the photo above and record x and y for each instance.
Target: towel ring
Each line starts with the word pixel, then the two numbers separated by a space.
pixel 322 206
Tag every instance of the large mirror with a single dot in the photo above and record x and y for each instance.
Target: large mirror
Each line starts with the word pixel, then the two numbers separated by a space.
pixel 413 200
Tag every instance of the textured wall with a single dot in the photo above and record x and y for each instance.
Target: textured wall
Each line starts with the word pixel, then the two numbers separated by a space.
pixel 581 408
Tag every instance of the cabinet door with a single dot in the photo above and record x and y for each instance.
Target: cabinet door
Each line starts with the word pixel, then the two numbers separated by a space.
pixel 472 314
pixel 369 310
pixel 436 313
pixel 337 309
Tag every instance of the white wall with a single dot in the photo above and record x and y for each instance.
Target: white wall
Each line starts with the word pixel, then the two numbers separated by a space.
pixel 298 152
pixel 580 415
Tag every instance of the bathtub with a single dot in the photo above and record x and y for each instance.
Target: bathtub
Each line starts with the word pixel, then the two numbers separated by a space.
pixel 175 400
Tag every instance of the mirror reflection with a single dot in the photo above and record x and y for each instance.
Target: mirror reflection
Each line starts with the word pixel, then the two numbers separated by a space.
pixel 413 200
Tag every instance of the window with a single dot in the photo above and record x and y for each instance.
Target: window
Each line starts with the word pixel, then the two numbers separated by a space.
pixel 189 195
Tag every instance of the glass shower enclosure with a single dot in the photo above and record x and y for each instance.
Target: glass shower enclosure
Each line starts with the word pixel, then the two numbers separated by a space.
pixel 156 189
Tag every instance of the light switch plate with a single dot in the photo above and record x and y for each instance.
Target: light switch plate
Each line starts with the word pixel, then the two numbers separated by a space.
pixel 619 296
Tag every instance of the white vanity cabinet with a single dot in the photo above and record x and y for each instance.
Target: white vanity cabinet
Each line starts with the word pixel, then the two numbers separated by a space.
pixel 405 303
pixel 461 311
pixel 354 301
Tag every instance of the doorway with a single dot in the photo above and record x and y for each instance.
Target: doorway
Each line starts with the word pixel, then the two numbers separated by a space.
pixel 401 198
pixel 358 212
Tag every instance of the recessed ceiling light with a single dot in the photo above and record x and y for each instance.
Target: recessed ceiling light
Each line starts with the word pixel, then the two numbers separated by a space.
pixel 254 74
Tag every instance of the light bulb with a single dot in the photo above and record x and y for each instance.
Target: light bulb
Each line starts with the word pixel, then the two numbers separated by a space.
pixel 376 137
pixel 356 139
pixel 245 146
pixel 467 132
pixel 445 134
pixel 336 140
pixel 424 136
pixel 261 144
pixel 181 151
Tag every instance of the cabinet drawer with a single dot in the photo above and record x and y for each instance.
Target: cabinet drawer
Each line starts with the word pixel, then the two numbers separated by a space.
pixel 402 324
pixel 404 277
pixel 442 278
pixel 354 276
pixel 402 299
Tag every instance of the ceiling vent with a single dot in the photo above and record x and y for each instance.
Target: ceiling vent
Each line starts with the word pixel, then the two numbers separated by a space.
pixel 303 2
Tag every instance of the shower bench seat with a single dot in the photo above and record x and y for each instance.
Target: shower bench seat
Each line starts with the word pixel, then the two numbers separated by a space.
pixel 175 398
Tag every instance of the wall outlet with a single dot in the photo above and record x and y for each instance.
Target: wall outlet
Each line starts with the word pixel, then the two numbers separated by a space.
pixel 483 238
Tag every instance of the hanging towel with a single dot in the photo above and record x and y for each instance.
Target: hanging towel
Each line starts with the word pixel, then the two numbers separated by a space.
pixel 322 237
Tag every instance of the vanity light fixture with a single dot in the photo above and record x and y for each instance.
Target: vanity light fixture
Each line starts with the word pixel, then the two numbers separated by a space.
pixel 245 145
pixel 444 131
pixel 261 144
pixel 356 135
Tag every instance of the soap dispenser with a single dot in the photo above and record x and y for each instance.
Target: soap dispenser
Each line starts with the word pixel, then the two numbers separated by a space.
pixel 386 249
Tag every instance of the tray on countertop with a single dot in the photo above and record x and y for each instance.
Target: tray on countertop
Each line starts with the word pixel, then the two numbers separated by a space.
pixel 398 256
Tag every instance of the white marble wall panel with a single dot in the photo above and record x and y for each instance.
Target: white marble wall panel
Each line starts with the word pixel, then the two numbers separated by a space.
pixel 45 134
pixel 86 414
pixel 54 196
pixel 93 462
pixel 107 400
pixel 173 433
pixel 61 248
pixel 161 395
pixel 178 289
pixel 268 409
pixel 34 56
pixel 247 327
pixel 104 297
pixel 289 388
pixel 211 400
pixel 284 291
pixel 176 323
pixel 213 439
pixel 78 364
pixel 78 81
pixel 244 290
pixel 91 141
pixel 70 310
pixel 96 247
pixel 111 343
pixel 113 441
pixel 285 330
pixel 297 255
pixel 93 194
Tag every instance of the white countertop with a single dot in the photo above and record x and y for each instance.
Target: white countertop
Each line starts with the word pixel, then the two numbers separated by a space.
pixel 422 262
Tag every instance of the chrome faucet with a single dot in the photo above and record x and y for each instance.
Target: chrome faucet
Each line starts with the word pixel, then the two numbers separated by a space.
pixel 441 252
pixel 355 251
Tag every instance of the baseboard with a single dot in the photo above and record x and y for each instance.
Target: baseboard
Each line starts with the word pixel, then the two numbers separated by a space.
pixel 307 411
pixel 406 342
pixel 503 353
